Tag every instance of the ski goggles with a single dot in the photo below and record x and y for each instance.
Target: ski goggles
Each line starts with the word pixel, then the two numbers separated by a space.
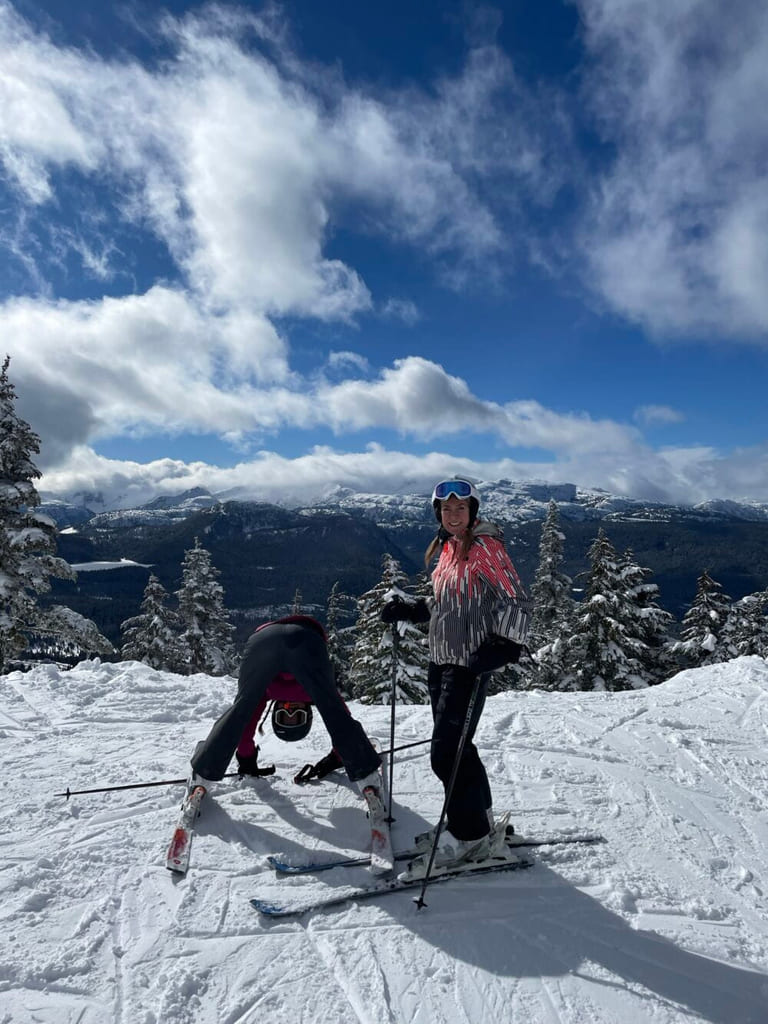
pixel 290 716
pixel 460 488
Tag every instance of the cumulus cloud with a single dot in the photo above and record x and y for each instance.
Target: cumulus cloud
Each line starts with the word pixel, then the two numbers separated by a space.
pixel 156 363
pixel 676 236
pixel 217 155
pixel 684 476
pixel 234 163
pixel 418 398
pixel 138 364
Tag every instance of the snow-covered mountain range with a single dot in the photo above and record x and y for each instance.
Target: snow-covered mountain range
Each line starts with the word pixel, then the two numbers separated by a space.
pixel 505 500
pixel 267 552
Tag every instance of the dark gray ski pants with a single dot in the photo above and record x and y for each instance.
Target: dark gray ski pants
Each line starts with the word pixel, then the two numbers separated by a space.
pixel 450 689
pixel 301 651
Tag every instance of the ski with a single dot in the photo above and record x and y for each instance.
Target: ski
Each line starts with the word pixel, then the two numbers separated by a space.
pixel 381 860
pixel 177 858
pixel 385 886
pixel 312 867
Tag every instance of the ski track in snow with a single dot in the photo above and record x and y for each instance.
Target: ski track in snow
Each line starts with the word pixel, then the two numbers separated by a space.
pixel 666 922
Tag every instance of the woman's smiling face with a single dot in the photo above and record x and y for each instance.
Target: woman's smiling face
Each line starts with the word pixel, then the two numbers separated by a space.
pixel 454 515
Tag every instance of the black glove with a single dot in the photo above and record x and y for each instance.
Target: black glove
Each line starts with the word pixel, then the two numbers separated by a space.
pixel 324 767
pixel 250 765
pixel 494 652
pixel 327 765
pixel 398 610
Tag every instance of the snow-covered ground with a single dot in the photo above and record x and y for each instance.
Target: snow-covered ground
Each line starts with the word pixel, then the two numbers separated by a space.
pixel 666 922
pixel 123 563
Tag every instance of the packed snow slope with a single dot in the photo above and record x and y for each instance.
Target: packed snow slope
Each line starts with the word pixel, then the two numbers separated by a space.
pixel 665 922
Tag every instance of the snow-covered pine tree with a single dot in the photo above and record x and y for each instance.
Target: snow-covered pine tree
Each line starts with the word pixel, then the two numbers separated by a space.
pixel 153 636
pixel 603 653
pixel 746 630
pixel 413 649
pixel 646 621
pixel 551 589
pixel 553 611
pixel 701 636
pixel 555 664
pixel 511 677
pixel 28 548
pixel 372 663
pixel 206 640
pixel 65 635
pixel 341 638
pixel 297 602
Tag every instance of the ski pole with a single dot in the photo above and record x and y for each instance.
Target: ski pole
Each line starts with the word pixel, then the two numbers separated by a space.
pixel 419 901
pixel 178 782
pixel 130 785
pixel 393 699
pixel 405 746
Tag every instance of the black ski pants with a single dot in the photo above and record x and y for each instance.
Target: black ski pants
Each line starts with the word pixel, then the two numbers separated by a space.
pixel 450 690
pixel 301 651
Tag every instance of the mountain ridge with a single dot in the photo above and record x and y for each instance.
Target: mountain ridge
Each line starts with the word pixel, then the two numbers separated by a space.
pixel 500 497
pixel 267 553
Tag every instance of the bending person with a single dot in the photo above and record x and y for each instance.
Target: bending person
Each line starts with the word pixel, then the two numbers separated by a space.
pixel 289 656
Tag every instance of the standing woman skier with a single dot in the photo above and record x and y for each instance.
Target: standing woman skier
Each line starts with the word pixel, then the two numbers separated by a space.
pixel 478 622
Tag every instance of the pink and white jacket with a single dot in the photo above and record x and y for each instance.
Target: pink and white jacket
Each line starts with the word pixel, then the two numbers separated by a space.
pixel 475 597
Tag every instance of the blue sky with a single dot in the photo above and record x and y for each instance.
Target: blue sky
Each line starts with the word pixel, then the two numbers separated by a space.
pixel 278 248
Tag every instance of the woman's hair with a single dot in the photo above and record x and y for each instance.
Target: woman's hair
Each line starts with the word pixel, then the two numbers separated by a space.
pixel 439 539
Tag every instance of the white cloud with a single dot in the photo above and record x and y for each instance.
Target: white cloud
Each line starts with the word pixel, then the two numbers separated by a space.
pixel 241 161
pixel 252 164
pixel 158 363
pixel 142 363
pixel 36 128
pixel 686 476
pixel 651 415
pixel 72 396
pixel 217 154
pixel 344 360
pixel 419 399
pixel 677 233
pixel 236 161
pixel 401 309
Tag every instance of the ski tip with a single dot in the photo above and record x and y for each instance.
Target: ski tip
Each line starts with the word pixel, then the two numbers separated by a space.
pixel 268 909
pixel 382 869
pixel 283 867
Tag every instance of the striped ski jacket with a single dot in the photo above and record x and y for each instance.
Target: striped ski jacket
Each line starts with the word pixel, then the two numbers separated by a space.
pixel 475 597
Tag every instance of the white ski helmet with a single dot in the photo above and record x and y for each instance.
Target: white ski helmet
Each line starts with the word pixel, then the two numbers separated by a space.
pixel 460 488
